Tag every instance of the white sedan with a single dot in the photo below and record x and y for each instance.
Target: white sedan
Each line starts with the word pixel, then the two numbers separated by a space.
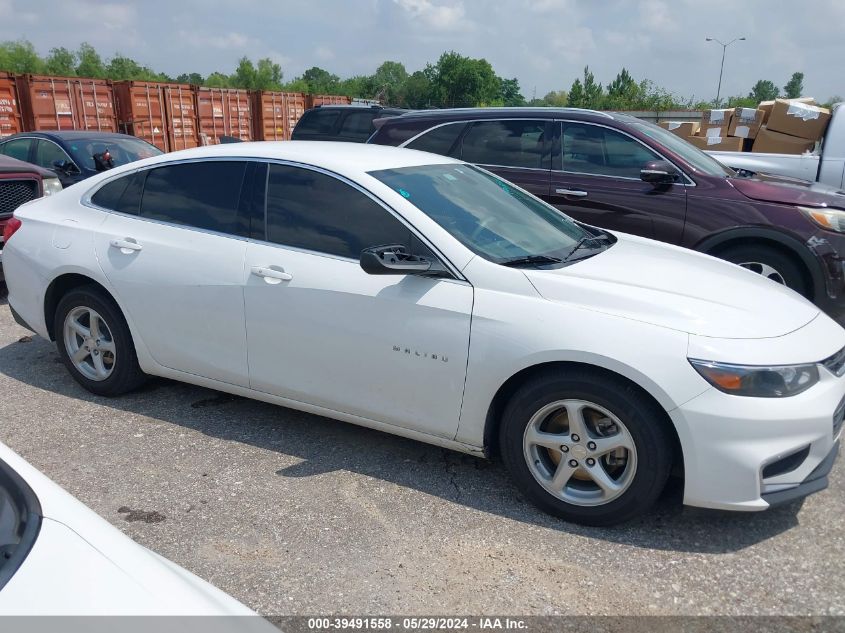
pixel 57 557
pixel 425 297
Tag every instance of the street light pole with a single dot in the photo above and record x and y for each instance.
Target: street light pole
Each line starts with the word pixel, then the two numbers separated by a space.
pixel 722 68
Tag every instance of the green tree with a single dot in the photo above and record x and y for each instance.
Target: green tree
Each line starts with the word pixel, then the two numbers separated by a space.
pixel 60 61
pixel 90 64
pixel 576 98
pixel 191 78
pixel 416 91
pixel 20 57
pixel 555 99
pixel 218 80
pixel 763 90
pixel 244 76
pixel 320 81
pixel 459 81
pixel 268 75
pixel 586 93
pixel 121 68
pixel 795 86
pixel 509 93
pixel 386 83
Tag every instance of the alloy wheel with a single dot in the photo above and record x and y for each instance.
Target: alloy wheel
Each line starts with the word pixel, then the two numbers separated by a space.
pixel 766 270
pixel 89 343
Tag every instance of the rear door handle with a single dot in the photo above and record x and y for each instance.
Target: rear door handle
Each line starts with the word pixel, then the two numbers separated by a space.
pixel 126 245
pixel 271 274
pixel 571 192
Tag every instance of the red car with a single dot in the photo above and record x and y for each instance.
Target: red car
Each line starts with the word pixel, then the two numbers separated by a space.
pixel 21 182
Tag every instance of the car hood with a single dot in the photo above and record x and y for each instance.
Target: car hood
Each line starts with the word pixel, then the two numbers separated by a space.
pixel 784 190
pixel 676 288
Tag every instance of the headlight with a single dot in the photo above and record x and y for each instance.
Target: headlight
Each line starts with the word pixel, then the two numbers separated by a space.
pixel 756 381
pixel 51 186
pixel 830 219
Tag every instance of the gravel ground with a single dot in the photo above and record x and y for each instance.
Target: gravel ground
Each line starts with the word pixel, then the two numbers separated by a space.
pixel 296 514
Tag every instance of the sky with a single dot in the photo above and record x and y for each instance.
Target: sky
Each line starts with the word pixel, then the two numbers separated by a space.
pixel 545 44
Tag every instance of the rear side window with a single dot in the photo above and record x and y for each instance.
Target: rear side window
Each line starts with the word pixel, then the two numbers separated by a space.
pixel 506 143
pixel 317 212
pixel 317 122
pixel 203 195
pixel 358 125
pixel 122 195
pixel 441 140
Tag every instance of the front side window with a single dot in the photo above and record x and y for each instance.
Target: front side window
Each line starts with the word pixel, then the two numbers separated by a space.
pixel 317 212
pixel 17 148
pixel 47 153
pixel 441 140
pixel 506 143
pixel 121 150
pixel 203 195
pixel 317 122
pixel 486 214
pixel 704 163
pixel 590 149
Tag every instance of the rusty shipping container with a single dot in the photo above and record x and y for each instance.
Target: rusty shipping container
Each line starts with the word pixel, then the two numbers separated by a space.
pixel 275 114
pixel 160 113
pixel 315 100
pixel 66 103
pixel 10 111
pixel 223 112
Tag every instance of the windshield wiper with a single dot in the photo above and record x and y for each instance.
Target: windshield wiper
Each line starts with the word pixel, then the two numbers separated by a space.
pixel 582 242
pixel 531 260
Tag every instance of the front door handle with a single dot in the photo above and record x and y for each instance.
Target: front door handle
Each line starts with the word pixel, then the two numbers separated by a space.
pixel 571 192
pixel 126 245
pixel 271 275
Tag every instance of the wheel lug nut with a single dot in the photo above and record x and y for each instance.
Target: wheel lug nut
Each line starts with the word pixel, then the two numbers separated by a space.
pixel 575 438
pixel 591 446
pixel 564 448
pixel 573 463
pixel 591 462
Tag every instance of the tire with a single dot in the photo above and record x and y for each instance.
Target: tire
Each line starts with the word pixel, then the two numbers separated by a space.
pixel 606 404
pixel 781 267
pixel 117 371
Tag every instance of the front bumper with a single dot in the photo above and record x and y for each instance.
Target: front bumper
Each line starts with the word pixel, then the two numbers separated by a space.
pixel 750 453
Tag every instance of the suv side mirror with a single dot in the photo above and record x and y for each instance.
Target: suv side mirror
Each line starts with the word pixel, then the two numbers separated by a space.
pixel 659 172
pixel 392 260
pixel 64 166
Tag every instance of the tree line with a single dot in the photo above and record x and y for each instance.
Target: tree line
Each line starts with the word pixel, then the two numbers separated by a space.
pixel 453 80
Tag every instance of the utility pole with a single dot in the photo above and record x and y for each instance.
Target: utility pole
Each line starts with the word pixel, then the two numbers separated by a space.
pixel 722 68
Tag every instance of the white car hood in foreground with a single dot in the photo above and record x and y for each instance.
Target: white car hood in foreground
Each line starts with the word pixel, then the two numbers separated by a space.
pixel 676 288
pixel 82 565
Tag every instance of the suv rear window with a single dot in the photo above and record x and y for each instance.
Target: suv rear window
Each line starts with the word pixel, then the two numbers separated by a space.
pixel 316 122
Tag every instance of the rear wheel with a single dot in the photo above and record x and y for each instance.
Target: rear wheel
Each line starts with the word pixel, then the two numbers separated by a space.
pixel 95 344
pixel 585 447
pixel 770 263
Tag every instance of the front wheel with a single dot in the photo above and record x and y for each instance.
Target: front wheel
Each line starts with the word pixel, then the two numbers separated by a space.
pixel 769 263
pixel 95 344
pixel 585 447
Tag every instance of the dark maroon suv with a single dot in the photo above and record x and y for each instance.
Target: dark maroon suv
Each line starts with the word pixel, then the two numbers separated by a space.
pixel 624 174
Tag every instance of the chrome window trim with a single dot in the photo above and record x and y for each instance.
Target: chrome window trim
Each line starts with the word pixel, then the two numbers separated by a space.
pixel 430 129
pixel 689 181
pixel 86 201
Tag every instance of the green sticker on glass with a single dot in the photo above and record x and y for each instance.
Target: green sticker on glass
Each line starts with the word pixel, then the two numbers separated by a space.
pixel 404 193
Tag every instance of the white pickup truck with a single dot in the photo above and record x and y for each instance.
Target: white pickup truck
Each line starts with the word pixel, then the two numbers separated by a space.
pixel 826 165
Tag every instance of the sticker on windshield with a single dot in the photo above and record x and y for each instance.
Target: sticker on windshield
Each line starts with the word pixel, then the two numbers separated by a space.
pixel 449 177
pixel 404 193
pixel 505 187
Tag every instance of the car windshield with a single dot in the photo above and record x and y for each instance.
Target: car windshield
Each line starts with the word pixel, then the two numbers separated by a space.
pixel 88 151
pixel 488 215
pixel 689 152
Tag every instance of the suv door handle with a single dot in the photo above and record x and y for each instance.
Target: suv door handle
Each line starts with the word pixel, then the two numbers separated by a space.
pixel 271 274
pixel 571 192
pixel 126 245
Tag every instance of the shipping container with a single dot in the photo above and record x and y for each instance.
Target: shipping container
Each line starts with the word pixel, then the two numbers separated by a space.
pixel 315 100
pixel 66 103
pixel 223 112
pixel 10 111
pixel 275 114
pixel 160 113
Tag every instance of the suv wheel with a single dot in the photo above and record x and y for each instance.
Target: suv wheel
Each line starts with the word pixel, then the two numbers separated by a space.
pixel 585 447
pixel 94 343
pixel 769 262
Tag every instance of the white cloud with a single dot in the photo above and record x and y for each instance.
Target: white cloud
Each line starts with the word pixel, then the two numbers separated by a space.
pixel 439 17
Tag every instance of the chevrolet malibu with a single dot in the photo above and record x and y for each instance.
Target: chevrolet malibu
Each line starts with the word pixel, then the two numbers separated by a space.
pixel 420 295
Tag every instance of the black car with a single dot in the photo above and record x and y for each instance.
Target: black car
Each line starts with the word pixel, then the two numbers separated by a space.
pixel 350 123
pixel 76 155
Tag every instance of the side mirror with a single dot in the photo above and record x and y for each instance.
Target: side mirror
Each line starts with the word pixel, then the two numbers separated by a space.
pixel 659 172
pixel 392 260
pixel 61 165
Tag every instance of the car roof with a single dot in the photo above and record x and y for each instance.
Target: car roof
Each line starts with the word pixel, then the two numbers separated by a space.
pixel 71 135
pixel 486 113
pixel 349 159
pixel 357 106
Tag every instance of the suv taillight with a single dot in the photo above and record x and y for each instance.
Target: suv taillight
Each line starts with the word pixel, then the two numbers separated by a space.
pixel 11 226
